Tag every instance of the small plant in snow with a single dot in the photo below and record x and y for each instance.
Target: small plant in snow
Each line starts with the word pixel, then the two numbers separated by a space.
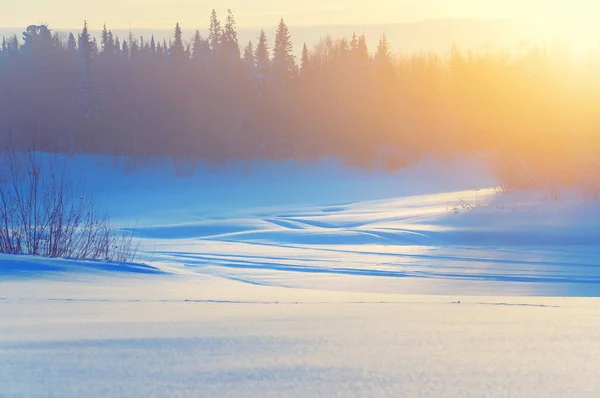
pixel 42 213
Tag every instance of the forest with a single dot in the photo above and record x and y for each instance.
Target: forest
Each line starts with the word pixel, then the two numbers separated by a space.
pixel 535 112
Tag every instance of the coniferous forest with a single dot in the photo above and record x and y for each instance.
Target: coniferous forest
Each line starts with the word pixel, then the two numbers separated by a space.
pixel 535 111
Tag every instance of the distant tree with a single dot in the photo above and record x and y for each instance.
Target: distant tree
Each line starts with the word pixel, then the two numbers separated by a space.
pixel 284 65
pixel 177 48
pixel 71 44
pixel 117 46
pixel 354 43
pixel 106 42
pixel 37 40
pixel 249 59
pixel 152 46
pixel 85 44
pixel 230 38
pixel 262 58
pixel 383 56
pixel 125 50
pixel 215 32
pixel 305 59
pixel 362 49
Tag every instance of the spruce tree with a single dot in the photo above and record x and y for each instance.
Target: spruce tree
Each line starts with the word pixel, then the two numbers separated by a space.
pixel 215 32
pixel 104 41
pixel 125 49
pixel 305 59
pixel 249 55
pixel 362 50
pixel 262 58
pixel 284 65
pixel 197 45
pixel 152 46
pixel 117 46
pixel 354 44
pixel 230 38
pixel 383 56
pixel 178 51
pixel 85 43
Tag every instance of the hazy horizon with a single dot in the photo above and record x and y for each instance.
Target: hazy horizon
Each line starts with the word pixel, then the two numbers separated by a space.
pixel 436 34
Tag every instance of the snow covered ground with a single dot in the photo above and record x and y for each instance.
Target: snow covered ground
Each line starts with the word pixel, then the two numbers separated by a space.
pixel 314 281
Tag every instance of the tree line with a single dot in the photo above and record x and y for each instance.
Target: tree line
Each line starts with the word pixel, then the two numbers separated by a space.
pixel 214 99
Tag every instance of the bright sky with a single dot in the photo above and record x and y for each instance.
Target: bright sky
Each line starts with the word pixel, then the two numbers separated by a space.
pixel 60 14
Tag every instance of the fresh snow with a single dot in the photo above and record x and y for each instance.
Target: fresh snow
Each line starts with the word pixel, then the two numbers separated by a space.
pixel 314 281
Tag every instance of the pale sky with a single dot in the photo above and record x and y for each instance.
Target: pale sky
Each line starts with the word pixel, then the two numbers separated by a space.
pixel 142 14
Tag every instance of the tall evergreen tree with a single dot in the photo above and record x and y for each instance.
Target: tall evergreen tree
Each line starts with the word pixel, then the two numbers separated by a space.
pixel 178 51
pixel 354 44
pixel 383 56
pixel 230 38
pixel 362 50
pixel 85 42
pixel 196 45
pixel 215 32
pixel 104 41
pixel 71 44
pixel 305 59
pixel 284 64
pixel 249 55
pixel 117 46
pixel 125 49
pixel 262 58
pixel 152 46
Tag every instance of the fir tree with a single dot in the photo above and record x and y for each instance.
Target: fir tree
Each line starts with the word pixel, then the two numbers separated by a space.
pixel 178 50
pixel 104 41
pixel 362 49
pixel 197 45
pixel 354 44
pixel 230 38
pixel 249 55
pixel 215 32
pixel 125 49
pixel 284 65
pixel 383 56
pixel 85 41
pixel 71 44
pixel 152 46
pixel 262 53
pixel 117 46
pixel 305 59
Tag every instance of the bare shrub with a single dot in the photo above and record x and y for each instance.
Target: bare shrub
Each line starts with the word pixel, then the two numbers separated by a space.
pixel 43 213
pixel 552 170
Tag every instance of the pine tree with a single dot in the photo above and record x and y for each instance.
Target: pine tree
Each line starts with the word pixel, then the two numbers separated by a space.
pixel 383 56
pixel 104 41
pixel 117 46
pixel 362 50
pixel 305 59
pixel 230 38
pixel 178 51
pixel 197 45
pixel 85 41
pixel 354 44
pixel 125 49
pixel 284 65
pixel 134 47
pixel 262 53
pixel 249 55
pixel 152 46
pixel 215 32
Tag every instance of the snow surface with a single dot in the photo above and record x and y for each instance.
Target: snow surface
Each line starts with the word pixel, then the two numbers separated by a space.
pixel 314 281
